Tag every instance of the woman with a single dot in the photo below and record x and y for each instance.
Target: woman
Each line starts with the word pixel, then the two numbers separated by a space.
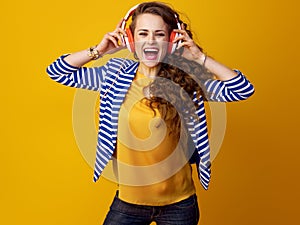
pixel 149 111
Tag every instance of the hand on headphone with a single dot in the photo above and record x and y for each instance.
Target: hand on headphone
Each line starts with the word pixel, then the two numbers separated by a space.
pixel 112 41
pixel 191 50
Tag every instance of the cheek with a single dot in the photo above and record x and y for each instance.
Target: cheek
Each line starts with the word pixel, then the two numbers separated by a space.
pixel 164 45
pixel 138 46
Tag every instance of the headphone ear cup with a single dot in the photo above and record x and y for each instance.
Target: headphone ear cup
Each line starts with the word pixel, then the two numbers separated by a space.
pixel 172 46
pixel 129 42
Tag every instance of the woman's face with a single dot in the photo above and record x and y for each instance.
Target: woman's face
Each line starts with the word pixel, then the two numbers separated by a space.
pixel 151 39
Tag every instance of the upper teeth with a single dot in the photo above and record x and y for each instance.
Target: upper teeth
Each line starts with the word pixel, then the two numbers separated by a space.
pixel 151 50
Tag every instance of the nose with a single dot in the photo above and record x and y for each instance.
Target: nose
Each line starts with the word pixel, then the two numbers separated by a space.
pixel 151 38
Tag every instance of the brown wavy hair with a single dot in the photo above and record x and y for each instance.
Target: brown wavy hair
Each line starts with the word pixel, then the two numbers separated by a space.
pixel 179 80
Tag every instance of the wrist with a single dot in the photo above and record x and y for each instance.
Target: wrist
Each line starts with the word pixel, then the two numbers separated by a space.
pixel 94 53
pixel 202 59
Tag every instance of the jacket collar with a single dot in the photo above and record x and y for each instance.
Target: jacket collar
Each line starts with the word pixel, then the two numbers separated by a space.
pixel 131 68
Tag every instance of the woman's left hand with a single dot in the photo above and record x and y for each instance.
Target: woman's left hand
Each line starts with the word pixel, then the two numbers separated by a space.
pixel 191 51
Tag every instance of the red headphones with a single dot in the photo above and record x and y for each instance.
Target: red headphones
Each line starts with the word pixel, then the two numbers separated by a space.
pixel 129 41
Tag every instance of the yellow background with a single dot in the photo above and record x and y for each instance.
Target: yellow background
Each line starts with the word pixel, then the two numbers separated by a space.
pixel 45 180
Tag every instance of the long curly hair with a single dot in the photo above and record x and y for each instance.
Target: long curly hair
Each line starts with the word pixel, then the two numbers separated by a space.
pixel 179 80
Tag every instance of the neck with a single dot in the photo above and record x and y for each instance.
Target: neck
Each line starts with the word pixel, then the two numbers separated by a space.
pixel 150 72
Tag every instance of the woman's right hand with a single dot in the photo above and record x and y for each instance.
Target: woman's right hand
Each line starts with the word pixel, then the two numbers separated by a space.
pixel 112 41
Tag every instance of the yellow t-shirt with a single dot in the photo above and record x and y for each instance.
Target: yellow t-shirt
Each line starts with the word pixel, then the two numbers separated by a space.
pixel 151 166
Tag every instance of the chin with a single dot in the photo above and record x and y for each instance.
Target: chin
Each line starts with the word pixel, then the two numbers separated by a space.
pixel 151 63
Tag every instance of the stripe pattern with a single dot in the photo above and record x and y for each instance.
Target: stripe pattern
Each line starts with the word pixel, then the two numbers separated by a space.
pixel 113 81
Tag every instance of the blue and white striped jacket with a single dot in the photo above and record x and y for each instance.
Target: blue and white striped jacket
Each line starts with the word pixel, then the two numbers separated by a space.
pixel 113 81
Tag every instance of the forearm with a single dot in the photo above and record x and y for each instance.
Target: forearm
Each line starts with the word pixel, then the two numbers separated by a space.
pixel 221 71
pixel 110 43
pixel 78 59
pixel 80 77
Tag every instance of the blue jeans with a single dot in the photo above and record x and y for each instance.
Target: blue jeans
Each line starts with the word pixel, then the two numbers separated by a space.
pixel 185 212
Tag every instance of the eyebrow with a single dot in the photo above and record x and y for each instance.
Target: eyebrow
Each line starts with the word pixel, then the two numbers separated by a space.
pixel 148 30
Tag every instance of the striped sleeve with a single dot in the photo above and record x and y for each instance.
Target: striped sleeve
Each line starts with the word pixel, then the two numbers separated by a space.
pixel 235 89
pixel 78 77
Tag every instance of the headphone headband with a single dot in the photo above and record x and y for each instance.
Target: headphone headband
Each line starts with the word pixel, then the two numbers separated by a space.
pixel 128 14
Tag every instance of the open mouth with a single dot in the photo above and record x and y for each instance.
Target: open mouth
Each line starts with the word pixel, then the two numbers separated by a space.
pixel 151 53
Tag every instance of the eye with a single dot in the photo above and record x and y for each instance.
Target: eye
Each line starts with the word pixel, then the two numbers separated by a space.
pixel 143 33
pixel 161 34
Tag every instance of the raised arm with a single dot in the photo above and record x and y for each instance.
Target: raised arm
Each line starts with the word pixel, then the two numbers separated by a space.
pixel 228 85
pixel 79 77
pixel 110 43
pixel 68 69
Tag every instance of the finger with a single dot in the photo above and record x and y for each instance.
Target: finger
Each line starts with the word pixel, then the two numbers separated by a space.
pixel 181 38
pixel 182 35
pixel 182 26
pixel 121 31
pixel 119 28
pixel 118 35
pixel 115 41
pixel 111 37
pixel 179 31
pixel 180 45
pixel 187 44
